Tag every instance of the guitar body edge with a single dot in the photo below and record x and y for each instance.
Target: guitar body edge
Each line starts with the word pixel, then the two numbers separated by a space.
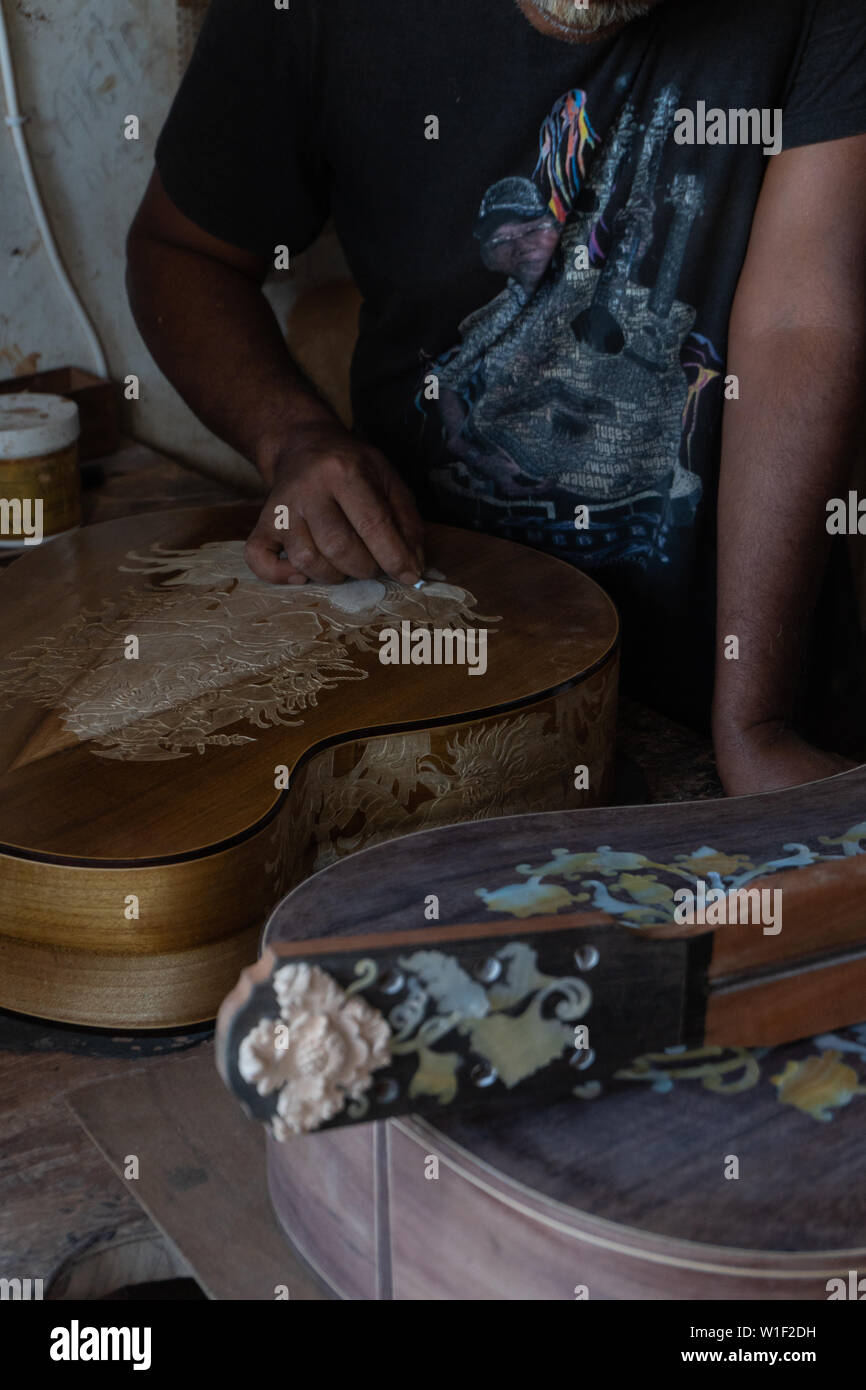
pixel 413 1239
pixel 159 946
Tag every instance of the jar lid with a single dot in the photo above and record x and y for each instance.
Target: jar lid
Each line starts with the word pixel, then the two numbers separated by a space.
pixel 32 424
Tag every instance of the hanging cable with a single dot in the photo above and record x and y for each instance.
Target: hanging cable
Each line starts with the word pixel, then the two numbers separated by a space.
pixel 16 121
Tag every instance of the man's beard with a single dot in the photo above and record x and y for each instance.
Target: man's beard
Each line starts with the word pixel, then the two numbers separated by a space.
pixel 598 14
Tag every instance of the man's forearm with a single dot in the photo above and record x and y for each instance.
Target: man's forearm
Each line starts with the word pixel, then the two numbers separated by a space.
pixel 788 447
pixel 199 304
pixel 212 332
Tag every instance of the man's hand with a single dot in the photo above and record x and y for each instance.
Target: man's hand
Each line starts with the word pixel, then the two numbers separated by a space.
pixel 768 757
pixel 350 514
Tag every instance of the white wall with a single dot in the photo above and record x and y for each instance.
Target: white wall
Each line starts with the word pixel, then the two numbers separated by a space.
pixel 82 66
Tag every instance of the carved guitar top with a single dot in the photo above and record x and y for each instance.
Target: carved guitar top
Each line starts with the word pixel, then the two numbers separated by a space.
pixel 150 642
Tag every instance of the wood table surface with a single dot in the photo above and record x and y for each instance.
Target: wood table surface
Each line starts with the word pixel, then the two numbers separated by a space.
pixel 193 1141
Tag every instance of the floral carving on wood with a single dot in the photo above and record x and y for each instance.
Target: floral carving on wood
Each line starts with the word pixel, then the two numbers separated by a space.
pixel 220 652
pixel 359 794
pixel 320 1054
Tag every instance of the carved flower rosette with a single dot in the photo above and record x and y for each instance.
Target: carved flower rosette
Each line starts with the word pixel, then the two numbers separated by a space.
pixel 320 1053
pixel 440 1028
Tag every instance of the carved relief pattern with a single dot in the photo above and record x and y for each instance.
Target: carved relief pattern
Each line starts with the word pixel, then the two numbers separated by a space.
pixel 359 794
pixel 321 1053
pixel 511 1027
pixel 504 1029
pixel 218 648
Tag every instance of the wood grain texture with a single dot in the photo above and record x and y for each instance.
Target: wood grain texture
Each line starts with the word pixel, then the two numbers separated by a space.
pixel 127 1263
pixel 481 993
pixel 188 819
pixel 823 910
pixel 590 1193
pixel 570 632
pixel 137 479
pixel 626 1196
pixel 335 1199
pixel 201 1175
pixel 804 999
pixel 477 1233
pixel 57 1201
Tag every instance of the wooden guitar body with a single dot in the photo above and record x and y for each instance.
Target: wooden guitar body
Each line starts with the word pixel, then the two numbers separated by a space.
pixel 556 1090
pixel 181 743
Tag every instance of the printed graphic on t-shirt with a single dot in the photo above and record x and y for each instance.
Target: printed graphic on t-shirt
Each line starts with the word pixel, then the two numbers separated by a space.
pixel 569 408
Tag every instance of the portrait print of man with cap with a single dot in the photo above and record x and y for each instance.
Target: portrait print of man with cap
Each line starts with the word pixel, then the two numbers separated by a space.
pixel 519 238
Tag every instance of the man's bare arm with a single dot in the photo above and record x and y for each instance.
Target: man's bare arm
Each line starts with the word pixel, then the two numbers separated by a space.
pixel 797 345
pixel 199 306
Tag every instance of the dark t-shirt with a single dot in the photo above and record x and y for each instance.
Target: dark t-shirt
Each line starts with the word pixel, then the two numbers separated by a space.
pixel 547 266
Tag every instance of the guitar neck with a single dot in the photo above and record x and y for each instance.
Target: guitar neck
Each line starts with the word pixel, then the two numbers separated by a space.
pixel 483 1016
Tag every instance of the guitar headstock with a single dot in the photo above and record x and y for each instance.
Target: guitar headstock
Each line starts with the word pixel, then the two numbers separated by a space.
pixel 470 1018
